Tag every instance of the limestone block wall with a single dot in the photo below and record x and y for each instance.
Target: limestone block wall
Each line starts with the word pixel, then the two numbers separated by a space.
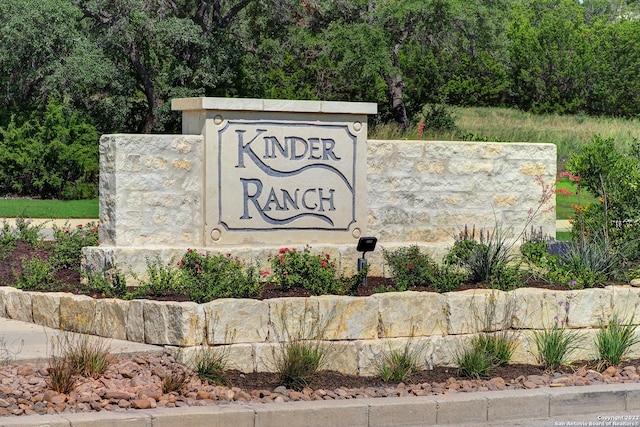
pixel 419 192
pixel 355 331
pixel 151 190
pixel 427 191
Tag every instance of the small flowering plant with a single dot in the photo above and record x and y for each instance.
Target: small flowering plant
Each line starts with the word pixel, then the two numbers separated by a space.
pixel 207 276
pixel 69 242
pixel 409 267
pixel 316 272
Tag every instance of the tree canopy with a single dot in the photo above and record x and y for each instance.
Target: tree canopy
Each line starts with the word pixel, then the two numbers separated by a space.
pixel 116 64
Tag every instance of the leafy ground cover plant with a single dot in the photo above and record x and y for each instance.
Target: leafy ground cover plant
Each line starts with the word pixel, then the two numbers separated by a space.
pixel 614 340
pixel 411 268
pixel 207 276
pixel 315 272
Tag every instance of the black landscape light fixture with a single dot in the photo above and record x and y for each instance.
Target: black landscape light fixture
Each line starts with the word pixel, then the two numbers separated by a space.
pixel 365 244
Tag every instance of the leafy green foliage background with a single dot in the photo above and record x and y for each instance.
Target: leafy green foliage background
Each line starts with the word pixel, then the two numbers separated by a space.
pixel 71 70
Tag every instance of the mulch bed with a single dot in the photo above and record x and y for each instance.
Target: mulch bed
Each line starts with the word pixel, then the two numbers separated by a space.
pixel 70 281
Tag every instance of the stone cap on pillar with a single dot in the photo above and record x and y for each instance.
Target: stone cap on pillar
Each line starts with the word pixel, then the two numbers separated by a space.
pixel 273 105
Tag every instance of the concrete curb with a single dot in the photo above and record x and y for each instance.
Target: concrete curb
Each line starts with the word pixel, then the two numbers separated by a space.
pixel 512 407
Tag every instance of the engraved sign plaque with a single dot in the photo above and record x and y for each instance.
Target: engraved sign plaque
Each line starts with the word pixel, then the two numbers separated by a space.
pixel 278 177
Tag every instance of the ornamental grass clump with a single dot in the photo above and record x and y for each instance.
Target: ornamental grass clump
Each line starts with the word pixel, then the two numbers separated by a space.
pixel 299 361
pixel 473 360
pixel 400 364
pixel 210 365
pixel 554 346
pixel 614 341
pixel 87 355
pixel 74 356
pixel 302 352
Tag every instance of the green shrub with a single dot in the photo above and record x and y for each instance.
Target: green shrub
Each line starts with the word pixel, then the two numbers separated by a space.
pixel 110 282
pixel 52 154
pixel 208 276
pixel 163 279
pixel 409 267
pixel 437 117
pixel 67 249
pixel 534 252
pixel 7 240
pixel 28 232
pixel 613 176
pixel 317 273
pixel 37 274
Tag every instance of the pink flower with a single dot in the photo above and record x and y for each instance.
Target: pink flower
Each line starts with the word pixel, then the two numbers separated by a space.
pixel 564 192
pixel 323 263
pixel 264 273
pixel 572 177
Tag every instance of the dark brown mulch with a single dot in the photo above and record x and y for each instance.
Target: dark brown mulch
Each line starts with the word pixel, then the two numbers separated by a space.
pixel 331 380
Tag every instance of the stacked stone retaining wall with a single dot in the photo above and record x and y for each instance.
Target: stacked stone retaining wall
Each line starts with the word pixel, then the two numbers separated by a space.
pixel 356 331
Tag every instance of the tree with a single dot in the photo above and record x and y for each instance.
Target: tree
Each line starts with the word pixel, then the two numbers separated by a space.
pixel 37 39
pixel 165 49
pixel 549 56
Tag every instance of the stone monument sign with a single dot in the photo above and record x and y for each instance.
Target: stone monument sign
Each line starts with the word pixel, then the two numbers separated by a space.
pixel 281 171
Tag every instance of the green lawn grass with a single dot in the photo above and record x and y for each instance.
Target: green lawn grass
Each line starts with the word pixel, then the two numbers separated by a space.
pixel 564 204
pixel 37 208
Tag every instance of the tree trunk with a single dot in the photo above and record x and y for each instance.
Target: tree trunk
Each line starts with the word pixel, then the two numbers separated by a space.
pixel 396 91
pixel 147 85
pixel 395 84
